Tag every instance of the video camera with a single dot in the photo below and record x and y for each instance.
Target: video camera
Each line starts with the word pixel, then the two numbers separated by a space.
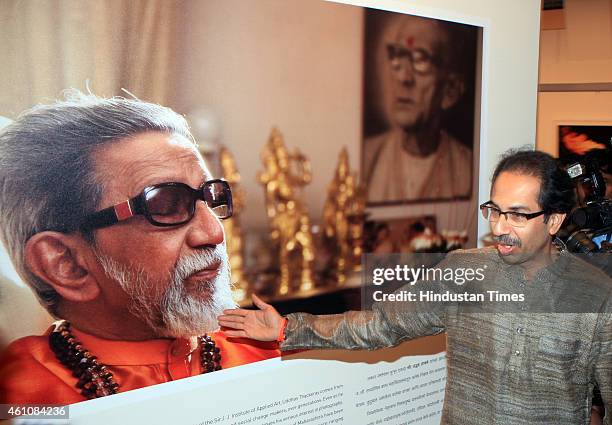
pixel 590 230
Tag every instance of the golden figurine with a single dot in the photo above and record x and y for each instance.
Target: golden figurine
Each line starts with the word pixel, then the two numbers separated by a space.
pixel 356 217
pixel 284 174
pixel 343 218
pixel 233 233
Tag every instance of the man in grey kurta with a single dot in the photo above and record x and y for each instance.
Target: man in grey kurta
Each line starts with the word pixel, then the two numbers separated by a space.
pixel 510 368
pixel 533 364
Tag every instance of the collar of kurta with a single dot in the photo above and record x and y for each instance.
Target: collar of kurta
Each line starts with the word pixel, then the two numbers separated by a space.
pixel 127 353
pixel 556 268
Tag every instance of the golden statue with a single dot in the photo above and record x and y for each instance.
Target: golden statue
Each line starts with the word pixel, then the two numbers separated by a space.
pixel 343 218
pixel 233 233
pixel 356 217
pixel 284 174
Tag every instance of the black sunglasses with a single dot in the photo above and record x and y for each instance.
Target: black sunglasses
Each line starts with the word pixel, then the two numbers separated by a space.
pixel 166 204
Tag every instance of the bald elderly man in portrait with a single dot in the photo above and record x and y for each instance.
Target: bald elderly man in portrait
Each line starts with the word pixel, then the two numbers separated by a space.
pixel 110 215
pixel 416 158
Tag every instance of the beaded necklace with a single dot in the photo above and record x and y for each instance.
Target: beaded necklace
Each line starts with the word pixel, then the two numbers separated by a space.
pixel 95 379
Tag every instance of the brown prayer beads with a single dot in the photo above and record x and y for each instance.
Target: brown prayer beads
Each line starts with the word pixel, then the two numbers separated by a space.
pixel 94 378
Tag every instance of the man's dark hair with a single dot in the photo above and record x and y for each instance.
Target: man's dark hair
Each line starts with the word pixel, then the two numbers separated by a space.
pixel 557 193
pixel 47 176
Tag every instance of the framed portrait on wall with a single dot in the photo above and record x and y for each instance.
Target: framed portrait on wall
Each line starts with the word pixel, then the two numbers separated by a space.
pixel 577 140
pixel 419 108
pixel 591 146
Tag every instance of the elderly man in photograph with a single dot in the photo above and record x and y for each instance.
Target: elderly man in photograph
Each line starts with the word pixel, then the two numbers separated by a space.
pixel 416 158
pixel 527 366
pixel 111 216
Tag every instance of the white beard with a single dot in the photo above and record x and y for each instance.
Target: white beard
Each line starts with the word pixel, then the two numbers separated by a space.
pixel 175 312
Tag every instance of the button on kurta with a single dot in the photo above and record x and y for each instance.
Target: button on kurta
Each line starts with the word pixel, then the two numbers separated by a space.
pixel 178 358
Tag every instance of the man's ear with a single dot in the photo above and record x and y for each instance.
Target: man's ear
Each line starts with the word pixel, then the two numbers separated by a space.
pixel 454 87
pixel 554 223
pixel 59 259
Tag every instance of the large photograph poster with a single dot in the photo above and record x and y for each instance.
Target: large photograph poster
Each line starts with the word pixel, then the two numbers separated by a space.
pixel 510 102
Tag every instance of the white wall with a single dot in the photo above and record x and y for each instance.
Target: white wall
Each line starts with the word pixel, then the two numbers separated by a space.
pixel 580 53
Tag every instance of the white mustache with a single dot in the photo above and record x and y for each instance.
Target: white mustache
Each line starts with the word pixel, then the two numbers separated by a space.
pixel 203 259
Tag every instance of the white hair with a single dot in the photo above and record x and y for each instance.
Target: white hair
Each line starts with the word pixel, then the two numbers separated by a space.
pixel 47 178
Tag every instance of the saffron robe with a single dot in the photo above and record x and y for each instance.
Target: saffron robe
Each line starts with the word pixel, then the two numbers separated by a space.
pixel 30 372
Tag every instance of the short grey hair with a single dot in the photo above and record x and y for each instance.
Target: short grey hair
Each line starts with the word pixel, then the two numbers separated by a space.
pixel 47 179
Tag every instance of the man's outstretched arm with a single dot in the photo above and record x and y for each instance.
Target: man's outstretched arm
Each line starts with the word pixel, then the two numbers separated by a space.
pixel 387 324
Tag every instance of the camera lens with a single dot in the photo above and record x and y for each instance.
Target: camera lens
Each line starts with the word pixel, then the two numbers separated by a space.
pixel 579 242
pixel 588 217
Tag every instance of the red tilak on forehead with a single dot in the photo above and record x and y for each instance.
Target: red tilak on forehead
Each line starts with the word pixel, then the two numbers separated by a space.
pixel 409 42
